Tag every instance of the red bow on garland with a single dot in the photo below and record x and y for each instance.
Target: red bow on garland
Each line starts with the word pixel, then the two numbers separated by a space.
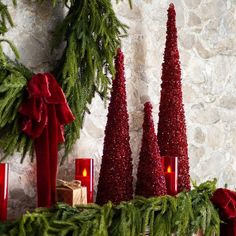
pixel 225 201
pixel 44 115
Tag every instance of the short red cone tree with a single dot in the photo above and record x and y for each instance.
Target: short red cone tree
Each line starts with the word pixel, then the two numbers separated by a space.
pixel 172 136
pixel 115 181
pixel 150 178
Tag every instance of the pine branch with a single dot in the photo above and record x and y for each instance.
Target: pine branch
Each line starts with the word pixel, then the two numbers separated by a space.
pixel 130 3
pixel 92 33
pixel 5 18
pixel 205 215
pixel 184 214
pixel 70 2
pixel 13 80
pixel 12 46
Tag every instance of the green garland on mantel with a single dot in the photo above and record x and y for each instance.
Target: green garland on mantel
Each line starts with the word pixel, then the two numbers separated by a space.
pixel 183 215
pixel 91 33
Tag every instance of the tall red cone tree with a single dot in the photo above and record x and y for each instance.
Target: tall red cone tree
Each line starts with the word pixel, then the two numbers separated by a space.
pixel 172 136
pixel 150 178
pixel 115 180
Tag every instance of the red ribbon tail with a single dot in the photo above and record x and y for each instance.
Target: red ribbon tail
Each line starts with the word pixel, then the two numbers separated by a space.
pixel 41 145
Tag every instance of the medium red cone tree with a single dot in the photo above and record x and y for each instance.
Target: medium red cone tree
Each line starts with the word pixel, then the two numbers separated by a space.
pixel 150 178
pixel 172 136
pixel 115 180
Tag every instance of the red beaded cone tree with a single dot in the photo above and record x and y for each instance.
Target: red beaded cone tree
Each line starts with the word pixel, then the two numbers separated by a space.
pixel 150 177
pixel 115 180
pixel 172 136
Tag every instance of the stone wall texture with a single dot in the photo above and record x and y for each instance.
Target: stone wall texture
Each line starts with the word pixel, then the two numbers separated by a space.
pixel 207 44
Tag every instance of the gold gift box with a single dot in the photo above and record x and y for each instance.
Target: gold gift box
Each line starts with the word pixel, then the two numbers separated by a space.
pixel 71 193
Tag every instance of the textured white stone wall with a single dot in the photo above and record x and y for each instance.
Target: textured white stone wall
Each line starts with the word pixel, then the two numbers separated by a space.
pixel 207 44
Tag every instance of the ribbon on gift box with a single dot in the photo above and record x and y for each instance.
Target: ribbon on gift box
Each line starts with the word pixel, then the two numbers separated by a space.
pixel 72 193
pixel 71 185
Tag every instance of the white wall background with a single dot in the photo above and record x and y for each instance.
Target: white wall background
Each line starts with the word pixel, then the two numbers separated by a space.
pixel 207 44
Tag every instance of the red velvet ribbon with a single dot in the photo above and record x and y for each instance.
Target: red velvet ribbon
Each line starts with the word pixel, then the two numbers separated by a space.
pixel 44 114
pixel 225 201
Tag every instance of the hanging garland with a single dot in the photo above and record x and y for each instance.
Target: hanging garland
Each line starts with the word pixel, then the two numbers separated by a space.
pixel 92 33
pixel 183 215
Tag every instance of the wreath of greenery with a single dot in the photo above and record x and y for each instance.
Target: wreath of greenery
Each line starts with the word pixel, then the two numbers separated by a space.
pixel 92 33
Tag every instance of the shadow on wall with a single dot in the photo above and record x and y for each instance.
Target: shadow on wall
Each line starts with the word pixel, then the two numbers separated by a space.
pixel 35 27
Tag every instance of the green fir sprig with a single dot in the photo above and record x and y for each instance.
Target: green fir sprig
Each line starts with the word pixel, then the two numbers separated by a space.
pixel 92 33
pixel 68 2
pixel 207 218
pixel 13 80
pixel 5 18
pixel 130 3
pixel 184 214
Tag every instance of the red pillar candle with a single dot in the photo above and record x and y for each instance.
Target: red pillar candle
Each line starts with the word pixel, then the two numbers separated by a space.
pixel 4 169
pixel 171 174
pixel 84 171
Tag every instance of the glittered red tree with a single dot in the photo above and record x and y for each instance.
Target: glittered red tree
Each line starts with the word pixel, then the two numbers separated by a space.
pixel 115 180
pixel 150 178
pixel 172 136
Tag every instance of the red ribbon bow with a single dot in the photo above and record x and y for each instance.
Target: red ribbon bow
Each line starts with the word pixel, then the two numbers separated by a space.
pixel 44 115
pixel 225 201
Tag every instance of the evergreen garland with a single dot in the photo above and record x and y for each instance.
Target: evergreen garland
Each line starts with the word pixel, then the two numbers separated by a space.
pixel 182 215
pixel 91 33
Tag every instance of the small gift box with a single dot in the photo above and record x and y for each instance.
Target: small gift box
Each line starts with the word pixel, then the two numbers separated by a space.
pixel 71 193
